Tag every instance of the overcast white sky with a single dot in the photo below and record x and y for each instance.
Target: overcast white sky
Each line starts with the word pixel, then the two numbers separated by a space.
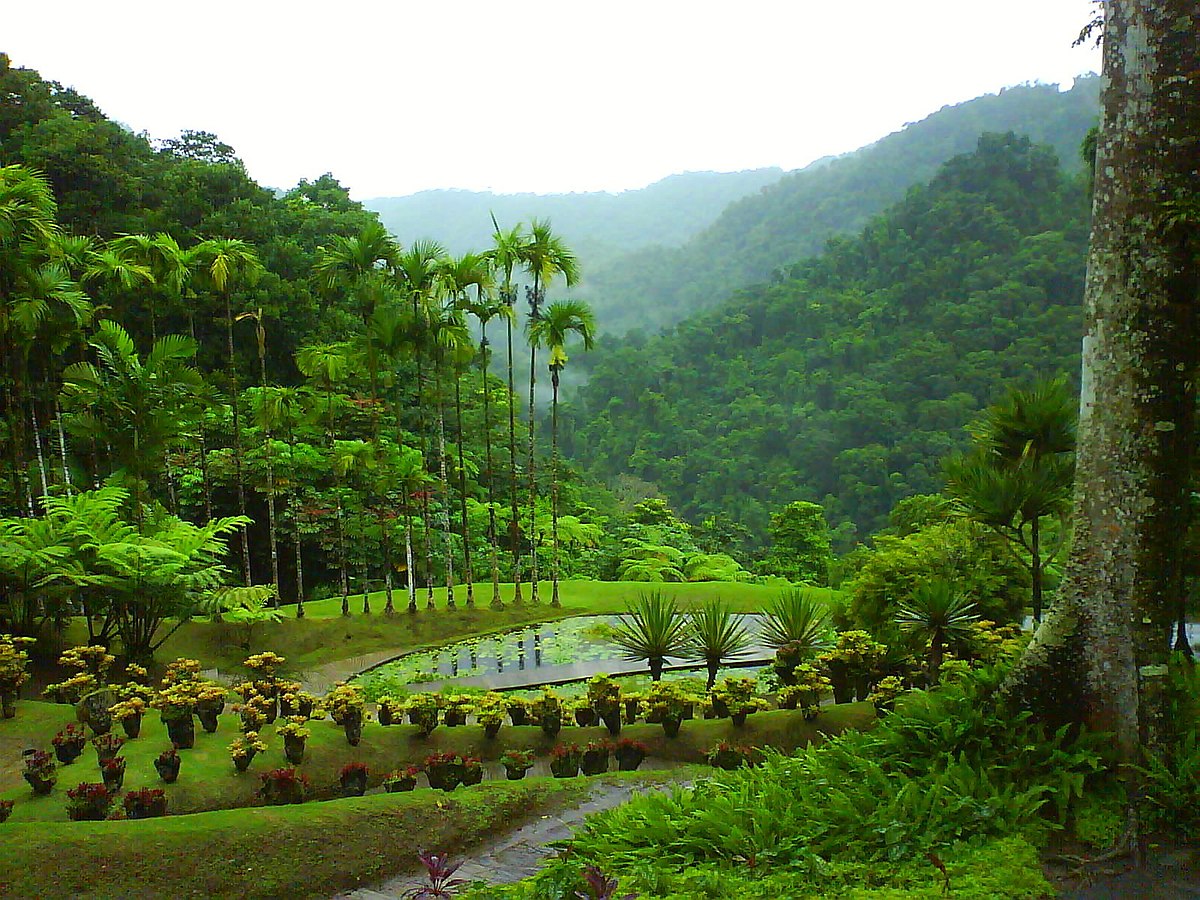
pixel 537 95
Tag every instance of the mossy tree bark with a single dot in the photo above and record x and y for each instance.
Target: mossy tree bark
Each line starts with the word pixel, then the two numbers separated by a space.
pixel 1100 656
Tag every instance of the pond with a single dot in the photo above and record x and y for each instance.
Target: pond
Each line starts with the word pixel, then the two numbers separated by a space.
pixel 548 653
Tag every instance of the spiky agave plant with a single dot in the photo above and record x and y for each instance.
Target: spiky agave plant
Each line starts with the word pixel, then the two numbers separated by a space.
pixel 715 635
pixel 652 628
pixel 795 617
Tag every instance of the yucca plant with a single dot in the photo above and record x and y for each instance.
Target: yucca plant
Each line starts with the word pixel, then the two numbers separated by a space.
pixel 652 628
pixel 939 614
pixel 795 617
pixel 715 635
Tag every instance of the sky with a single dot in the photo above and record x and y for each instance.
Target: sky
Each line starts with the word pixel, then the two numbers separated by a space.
pixel 538 95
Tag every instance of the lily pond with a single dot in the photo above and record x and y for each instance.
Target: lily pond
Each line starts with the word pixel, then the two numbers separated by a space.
pixel 550 652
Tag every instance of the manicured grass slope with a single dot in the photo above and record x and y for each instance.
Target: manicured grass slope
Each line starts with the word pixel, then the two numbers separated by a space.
pixel 310 850
pixel 207 780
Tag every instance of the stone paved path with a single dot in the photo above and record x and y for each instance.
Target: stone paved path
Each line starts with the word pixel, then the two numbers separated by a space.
pixel 518 854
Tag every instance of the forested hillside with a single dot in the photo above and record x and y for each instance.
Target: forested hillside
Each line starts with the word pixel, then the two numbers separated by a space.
pixel 657 286
pixel 849 377
pixel 603 226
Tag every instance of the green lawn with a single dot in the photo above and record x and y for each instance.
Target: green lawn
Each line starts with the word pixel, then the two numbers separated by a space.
pixel 208 781
pixel 324 635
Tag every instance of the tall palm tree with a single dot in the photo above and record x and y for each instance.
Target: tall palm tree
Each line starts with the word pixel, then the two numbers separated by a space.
pixel 557 325
pixel 416 272
pixel 545 256
pixel 351 458
pixel 260 336
pixel 410 478
pixel 326 366
pixel 227 264
pixel 278 409
pixel 485 308
pixel 506 256
pixel 459 276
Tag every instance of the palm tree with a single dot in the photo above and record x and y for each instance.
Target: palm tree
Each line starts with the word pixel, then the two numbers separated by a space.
pixel 279 408
pixel 350 458
pixel 138 409
pixel 416 271
pixel 326 365
pixel 544 256
pixel 558 323
pixel 652 628
pixel 939 615
pixel 226 264
pixel 715 635
pixel 506 256
pixel 260 335
pixel 410 478
pixel 796 617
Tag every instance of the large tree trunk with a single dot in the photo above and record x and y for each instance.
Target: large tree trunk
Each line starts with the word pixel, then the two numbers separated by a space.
pixel 514 527
pixel 244 531
pixel 497 602
pixel 535 300
pixel 1100 656
pixel 554 601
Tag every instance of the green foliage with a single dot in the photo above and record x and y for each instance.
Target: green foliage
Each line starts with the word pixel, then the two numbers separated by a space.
pixel 652 628
pixel 847 378
pixel 796 617
pixel 801 549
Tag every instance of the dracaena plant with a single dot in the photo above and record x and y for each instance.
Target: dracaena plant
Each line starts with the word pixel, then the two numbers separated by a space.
pixel 600 886
pixel 440 873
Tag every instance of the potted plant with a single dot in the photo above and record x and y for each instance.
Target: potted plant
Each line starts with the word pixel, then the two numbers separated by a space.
pixel 787 657
pixel 605 696
pixel 445 770
pixel 629 754
pixel 14 662
pixel 401 780
pixel 850 663
pixel 457 707
pixel 176 705
pixel 107 746
pixel 517 763
pixel 633 707
pixel 390 710
pixel 72 690
pixel 472 770
pixel 112 772
pixel 210 703
pixel 69 743
pixel 668 706
pixel 564 760
pixel 548 710
pixel 353 779
pixel 167 763
pixel 5 809
pixel 489 713
pixel 40 771
pixel 266 685
pixel 810 685
pixel 147 803
pixel 736 697
pixel 584 713
pixel 346 703
pixel 282 786
pixel 294 734
pixel 728 756
pixel 296 702
pixel 883 697
pixel 243 750
pixel 88 802
pixel 594 760
pixel 518 710
pixel 129 713
pixel 423 712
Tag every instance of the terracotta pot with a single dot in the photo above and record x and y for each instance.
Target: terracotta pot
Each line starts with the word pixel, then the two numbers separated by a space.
pixel 41 786
pixel 585 717
pixel 132 726
pixel 354 784
pixel 182 732
pixel 168 771
pixel 629 758
pixel 594 762
pixel 293 749
pixel 68 753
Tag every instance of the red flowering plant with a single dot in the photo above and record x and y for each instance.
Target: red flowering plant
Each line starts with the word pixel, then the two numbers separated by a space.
pixel 281 786
pixel 88 802
pixel 146 803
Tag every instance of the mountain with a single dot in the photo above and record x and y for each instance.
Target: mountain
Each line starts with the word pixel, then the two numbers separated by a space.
pixel 599 226
pixel 848 377
pixel 656 286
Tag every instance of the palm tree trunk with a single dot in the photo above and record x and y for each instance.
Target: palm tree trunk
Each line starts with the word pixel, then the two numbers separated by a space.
pixel 267 443
pixel 62 448
pixel 364 577
pixel 497 602
pixel 237 441
pixel 535 299
pixel 468 574
pixel 445 481
pixel 37 445
pixel 514 530
pixel 422 426
pixel 389 607
pixel 1036 568
pixel 408 560
pixel 554 601
pixel 294 507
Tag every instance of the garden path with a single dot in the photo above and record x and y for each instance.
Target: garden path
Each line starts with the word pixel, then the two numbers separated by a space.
pixel 516 855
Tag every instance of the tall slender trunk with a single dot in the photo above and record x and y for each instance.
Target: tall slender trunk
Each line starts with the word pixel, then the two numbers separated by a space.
pixel 497 602
pixel 534 303
pixel 514 528
pixel 205 484
pixel 468 573
pixel 554 601
pixel 270 456
pixel 295 510
pixel 37 445
pixel 364 577
pixel 444 516
pixel 1036 567
pixel 343 574
pixel 1101 653
pixel 423 427
pixel 408 559
pixel 244 532
pixel 62 448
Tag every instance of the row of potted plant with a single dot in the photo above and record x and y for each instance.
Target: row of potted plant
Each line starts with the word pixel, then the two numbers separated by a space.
pixel 89 802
